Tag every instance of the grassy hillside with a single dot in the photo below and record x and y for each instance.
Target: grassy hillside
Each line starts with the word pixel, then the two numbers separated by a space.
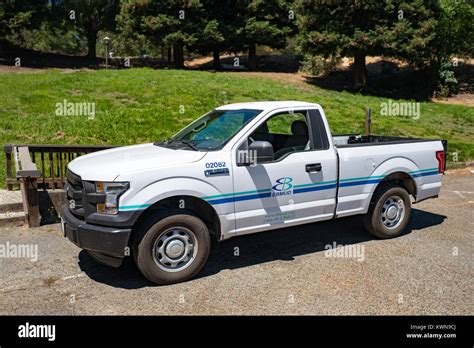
pixel 141 105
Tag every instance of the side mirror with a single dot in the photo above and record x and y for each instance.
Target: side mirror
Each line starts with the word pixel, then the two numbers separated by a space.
pixel 261 152
pixel 257 152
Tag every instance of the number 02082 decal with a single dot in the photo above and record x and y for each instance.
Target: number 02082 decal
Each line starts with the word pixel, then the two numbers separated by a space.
pixel 215 165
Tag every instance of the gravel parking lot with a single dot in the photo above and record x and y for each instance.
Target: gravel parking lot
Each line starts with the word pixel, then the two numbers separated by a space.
pixel 428 270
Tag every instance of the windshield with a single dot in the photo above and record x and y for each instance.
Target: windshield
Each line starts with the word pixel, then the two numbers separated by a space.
pixel 213 130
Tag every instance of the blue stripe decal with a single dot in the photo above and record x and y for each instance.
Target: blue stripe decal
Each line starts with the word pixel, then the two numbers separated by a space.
pixel 239 198
pixel 318 186
pixel 134 207
pixel 266 193
pixel 314 188
pixel 425 170
pixel 416 175
pixel 356 183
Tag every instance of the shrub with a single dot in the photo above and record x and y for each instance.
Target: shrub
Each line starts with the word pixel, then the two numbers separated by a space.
pixel 318 65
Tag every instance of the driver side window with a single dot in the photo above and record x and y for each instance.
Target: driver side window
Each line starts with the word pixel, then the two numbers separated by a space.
pixel 288 132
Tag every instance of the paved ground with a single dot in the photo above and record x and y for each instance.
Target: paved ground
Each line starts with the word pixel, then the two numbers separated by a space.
pixel 428 270
pixel 8 197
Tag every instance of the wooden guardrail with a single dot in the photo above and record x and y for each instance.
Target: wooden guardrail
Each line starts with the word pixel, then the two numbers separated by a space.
pixel 22 169
pixel 50 160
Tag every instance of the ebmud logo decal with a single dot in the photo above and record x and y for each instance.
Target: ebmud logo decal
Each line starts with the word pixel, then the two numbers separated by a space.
pixel 282 187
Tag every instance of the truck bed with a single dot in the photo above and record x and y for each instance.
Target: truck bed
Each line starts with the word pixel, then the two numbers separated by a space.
pixel 353 140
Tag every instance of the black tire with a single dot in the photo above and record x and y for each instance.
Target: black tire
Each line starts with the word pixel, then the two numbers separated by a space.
pixel 146 245
pixel 374 220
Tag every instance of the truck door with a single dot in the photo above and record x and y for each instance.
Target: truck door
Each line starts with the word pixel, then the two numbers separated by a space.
pixel 298 186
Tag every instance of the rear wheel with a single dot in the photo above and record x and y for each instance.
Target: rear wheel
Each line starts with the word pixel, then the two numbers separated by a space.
pixel 389 212
pixel 174 249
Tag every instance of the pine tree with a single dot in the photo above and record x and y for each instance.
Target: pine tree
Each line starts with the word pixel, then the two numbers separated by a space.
pixel 358 28
pixel 219 27
pixel 176 23
pixel 17 15
pixel 454 33
pixel 265 22
pixel 91 16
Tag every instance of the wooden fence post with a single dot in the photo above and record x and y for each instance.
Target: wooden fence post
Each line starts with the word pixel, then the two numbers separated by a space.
pixel 8 153
pixel 28 175
pixel 29 191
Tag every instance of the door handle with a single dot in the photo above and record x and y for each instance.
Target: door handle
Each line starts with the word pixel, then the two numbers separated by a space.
pixel 314 167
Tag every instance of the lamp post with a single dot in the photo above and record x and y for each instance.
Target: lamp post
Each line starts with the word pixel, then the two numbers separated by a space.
pixel 106 41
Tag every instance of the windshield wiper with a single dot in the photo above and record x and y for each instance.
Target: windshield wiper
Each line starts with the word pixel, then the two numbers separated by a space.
pixel 187 142
pixel 168 142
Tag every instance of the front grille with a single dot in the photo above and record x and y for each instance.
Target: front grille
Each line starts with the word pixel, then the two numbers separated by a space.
pixel 74 192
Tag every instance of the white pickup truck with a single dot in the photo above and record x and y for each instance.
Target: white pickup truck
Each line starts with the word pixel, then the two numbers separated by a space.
pixel 239 169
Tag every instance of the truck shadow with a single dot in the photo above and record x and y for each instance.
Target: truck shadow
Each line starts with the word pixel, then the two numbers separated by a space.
pixel 282 244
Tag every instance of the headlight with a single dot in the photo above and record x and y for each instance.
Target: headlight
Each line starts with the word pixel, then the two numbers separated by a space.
pixel 112 191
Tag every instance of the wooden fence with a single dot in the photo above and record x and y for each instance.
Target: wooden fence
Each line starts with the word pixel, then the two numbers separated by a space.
pixel 33 167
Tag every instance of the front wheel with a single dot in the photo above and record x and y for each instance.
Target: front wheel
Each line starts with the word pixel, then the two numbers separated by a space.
pixel 174 249
pixel 389 212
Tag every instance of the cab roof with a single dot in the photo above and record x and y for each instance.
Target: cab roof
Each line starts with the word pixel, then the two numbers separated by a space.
pixel 267 105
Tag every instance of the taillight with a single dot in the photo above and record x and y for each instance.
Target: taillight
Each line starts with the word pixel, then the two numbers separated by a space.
pixel 441 161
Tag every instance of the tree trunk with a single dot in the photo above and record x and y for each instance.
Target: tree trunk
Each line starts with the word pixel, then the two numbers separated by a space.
pixel 360 69
pixel 169 55
pixel 252 57
pixel 91 44
pixel 216 60
pixel 178 55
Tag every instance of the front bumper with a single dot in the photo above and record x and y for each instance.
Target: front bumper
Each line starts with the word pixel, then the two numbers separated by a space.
pixel 106 244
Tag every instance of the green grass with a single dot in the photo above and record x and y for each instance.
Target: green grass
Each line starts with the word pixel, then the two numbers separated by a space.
pixel 142 105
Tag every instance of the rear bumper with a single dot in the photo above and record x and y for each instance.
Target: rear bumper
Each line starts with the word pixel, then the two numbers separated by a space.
pixel 105 244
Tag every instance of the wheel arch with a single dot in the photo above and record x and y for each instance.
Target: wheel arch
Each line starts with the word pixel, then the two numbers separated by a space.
pixel 184 204
pixel 398 178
